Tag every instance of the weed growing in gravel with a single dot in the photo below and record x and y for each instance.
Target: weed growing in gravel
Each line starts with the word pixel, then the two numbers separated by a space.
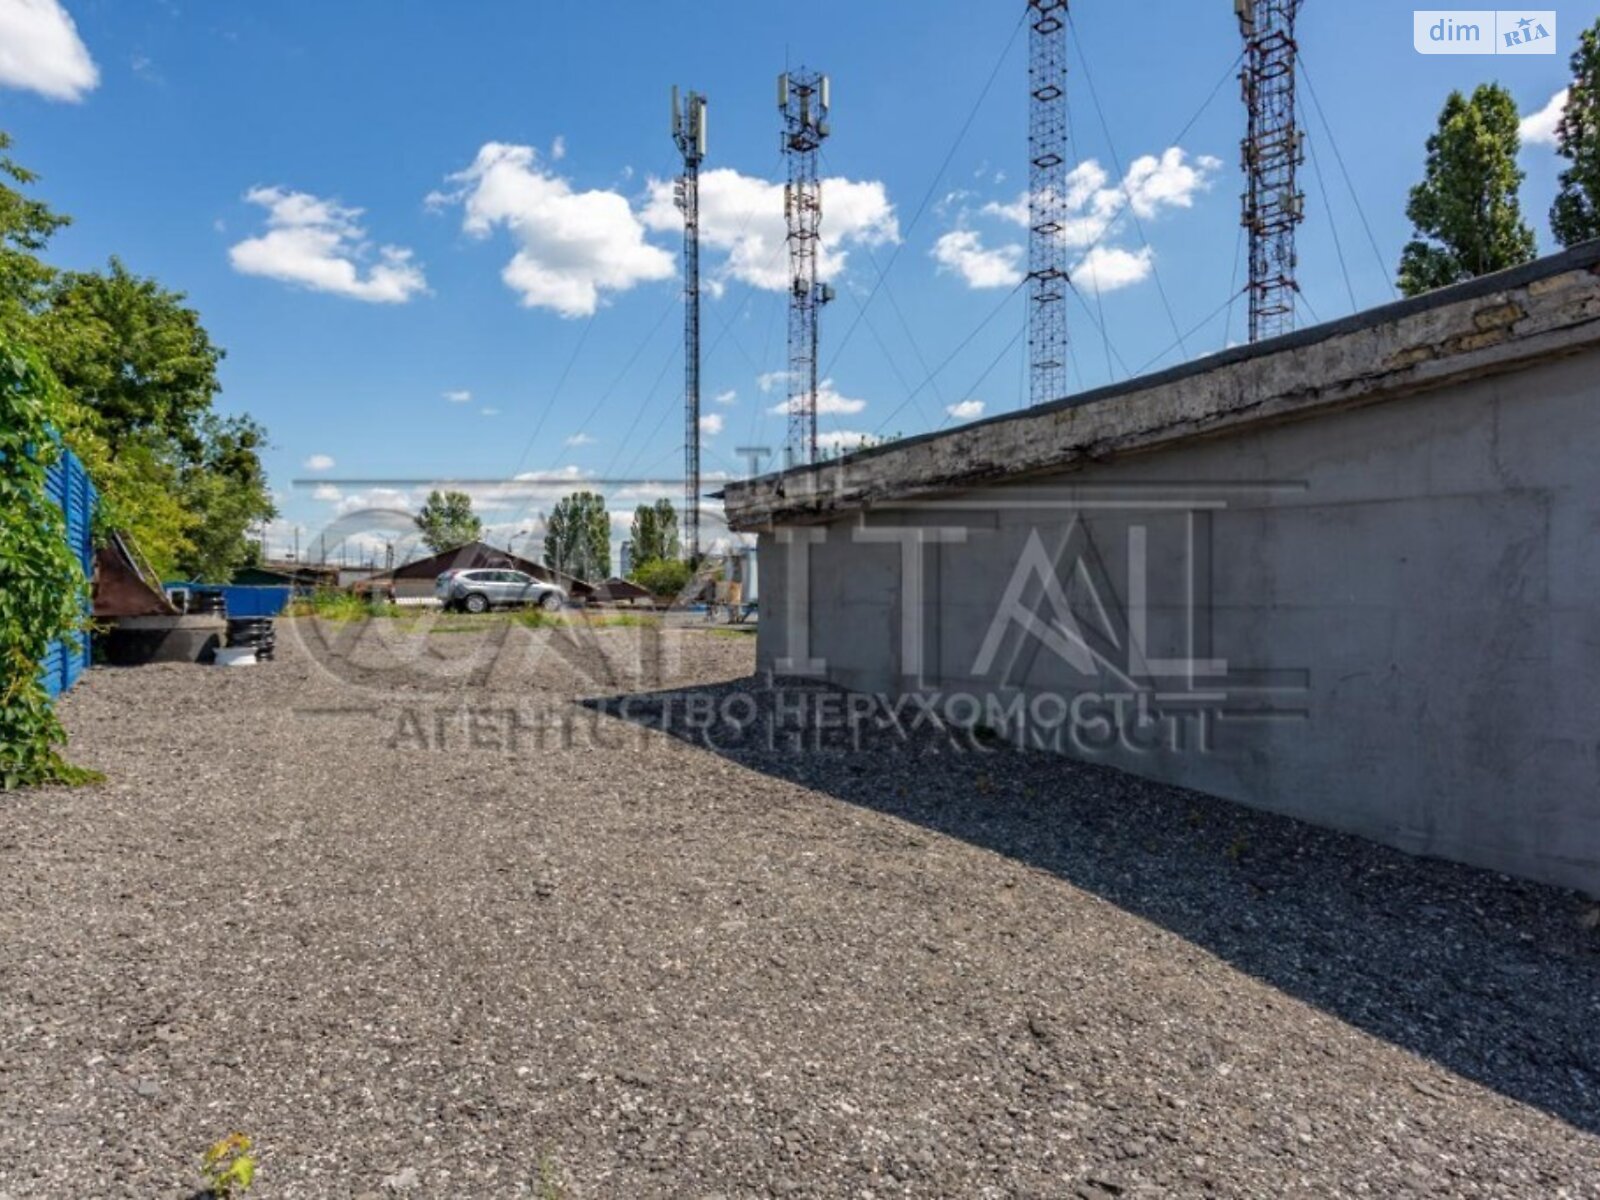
pixel 536 618
pixel 228 1167
pixel 548 1186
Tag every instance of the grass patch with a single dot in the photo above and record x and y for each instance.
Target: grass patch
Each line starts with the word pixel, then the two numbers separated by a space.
pixel 343 606
pixel 623 621
pixel 538 618
pixel 339 606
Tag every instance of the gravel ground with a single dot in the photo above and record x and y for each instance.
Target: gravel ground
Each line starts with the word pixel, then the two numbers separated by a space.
pixel 403 910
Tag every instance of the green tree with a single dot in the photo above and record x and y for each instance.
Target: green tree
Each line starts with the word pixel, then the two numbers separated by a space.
pixel 1466 215
pixel 1575 216
pixel 142 495
pixel 25 228
pixel 133 354
pixel 139 376
pixel 226 489
pixel 654 532
pixel 142 370
pixel 577 536
pixel 447 521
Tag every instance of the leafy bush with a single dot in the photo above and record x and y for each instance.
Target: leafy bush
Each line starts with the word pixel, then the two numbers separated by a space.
pixel 663 576
pixel 42 587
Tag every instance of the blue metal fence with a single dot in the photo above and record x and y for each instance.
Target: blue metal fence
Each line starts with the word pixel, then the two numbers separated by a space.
pixel 68 485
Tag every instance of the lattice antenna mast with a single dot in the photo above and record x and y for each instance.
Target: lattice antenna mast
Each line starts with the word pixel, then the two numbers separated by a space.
pixel 1271 153
pixel 1047 190
pixel 689 133
pixel 803 99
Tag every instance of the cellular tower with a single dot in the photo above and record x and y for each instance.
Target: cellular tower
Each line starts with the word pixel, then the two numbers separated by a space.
pixel 803 99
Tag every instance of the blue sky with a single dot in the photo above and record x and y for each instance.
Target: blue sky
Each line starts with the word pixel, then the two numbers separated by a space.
pixel 435 244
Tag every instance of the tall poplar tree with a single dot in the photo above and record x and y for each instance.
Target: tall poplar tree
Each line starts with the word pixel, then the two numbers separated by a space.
pixel 1575 216
pixel 1466 215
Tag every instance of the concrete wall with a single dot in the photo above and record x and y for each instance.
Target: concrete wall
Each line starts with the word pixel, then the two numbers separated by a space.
pixel 1406 596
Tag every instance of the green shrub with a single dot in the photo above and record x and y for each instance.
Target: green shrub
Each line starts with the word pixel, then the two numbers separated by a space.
pixel 663 576
pixel 42 588
pixel 334 605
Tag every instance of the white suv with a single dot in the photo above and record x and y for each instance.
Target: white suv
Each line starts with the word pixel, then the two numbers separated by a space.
pixel 478 591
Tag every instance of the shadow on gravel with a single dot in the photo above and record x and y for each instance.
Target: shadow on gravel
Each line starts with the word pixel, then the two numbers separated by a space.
pixel 1491 978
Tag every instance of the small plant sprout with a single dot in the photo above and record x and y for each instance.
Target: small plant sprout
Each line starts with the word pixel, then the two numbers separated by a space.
pixel 228 1167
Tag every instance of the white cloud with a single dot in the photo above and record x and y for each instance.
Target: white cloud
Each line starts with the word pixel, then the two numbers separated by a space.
pixel 725 398
pixel 558 149
pixel 1539 129
pixel 572 247
pixel 489 412
pixel 967 410
pixel 1167 182
pixel 319 462
pixel 1107 268
pixel 580 439
pixel 319 244
pixel 711 424
pixel 1094 204
pixel 828 401
pixel 1095 208
pixel 327 492
pixel 771 380
pixel 40 51
pixel 461 396
pixel 743 216
pixel 381 498
pixel 963 251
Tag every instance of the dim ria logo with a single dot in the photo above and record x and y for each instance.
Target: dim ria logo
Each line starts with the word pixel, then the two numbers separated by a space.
pixel 1483 31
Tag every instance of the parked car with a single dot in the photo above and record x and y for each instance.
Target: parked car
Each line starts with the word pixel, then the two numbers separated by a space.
pixel 479 590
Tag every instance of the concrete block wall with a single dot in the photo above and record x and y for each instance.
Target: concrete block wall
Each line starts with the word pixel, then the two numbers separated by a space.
pixel 1406 595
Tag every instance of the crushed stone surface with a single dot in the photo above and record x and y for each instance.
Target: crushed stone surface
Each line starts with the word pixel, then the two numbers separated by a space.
pixel 595 913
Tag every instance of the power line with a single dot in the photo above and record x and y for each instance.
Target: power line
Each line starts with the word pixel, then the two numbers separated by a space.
pixel 1333 226
pixel 1116 161
pixel 1100 327
pixel 894 364
pixel 638 412
pixel 1226 305
pixel 1233 284
pixel 949 358
pixel 633 358
pixel 556 395
pixel 1383 268
pixel 987 371
pixel 1113 217
pixel 933 185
